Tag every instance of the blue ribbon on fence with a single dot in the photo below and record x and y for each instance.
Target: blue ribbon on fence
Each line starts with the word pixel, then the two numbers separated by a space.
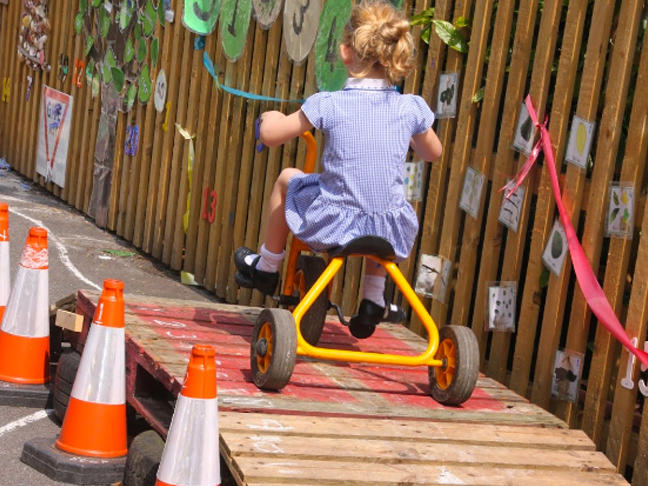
pixel 209 65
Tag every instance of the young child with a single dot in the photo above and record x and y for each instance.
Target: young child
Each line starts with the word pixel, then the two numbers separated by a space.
pixel 368 128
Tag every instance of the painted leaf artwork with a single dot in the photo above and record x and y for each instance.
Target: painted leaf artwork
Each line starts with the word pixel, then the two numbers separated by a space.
pixel 471 192
pixel 121 49
pixel 330 71
pixel 580 142
pixel 447 95
pixel 234 23
pixel 300 21
pixel 524 132
pixel 200 16
pixel 511 208
pixel 266 12
pixel 413 180
pixel 501 306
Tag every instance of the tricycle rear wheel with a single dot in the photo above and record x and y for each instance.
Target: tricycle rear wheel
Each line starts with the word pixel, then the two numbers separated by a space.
pixel 309 269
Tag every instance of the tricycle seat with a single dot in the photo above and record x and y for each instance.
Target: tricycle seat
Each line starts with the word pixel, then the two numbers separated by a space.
pixel 367 246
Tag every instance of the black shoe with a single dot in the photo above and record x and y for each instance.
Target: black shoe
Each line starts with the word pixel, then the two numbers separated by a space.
pixel 249 277
pixel 363 324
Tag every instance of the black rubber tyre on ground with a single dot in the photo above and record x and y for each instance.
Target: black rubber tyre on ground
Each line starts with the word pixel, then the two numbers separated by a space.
pixel 309 269
pixel 66 371
pixel 143 459
pixel 273 349
pixel 454 382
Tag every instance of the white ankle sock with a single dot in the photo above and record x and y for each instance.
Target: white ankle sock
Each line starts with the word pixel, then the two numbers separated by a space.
pixel 269 261
pixel 373 289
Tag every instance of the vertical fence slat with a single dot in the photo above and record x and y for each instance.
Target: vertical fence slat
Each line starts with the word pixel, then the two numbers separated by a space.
pixel 607 146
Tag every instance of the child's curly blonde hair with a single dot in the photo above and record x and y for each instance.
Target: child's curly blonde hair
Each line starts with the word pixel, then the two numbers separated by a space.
pixel 379 33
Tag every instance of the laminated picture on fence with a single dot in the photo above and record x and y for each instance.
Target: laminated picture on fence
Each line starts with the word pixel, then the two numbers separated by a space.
pixel 524 132
pixel 413 180
pixel 471 192
pixel 266 12
pixel 620 217
pixel 556 249
pixel 432 278
pixel 509 214
pixel 567 374
pixel 580 142
pixel 54 135
pixel 447 95
pixel 501 300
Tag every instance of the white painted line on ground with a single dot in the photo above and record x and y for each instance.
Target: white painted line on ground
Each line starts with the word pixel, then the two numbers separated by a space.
pixel 34 417
pixel 63 253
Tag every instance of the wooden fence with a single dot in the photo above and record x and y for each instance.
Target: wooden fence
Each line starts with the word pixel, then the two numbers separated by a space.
pixel 584 58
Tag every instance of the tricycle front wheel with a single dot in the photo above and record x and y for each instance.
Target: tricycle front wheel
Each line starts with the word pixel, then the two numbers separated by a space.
pixel 273 349
pixel 454 382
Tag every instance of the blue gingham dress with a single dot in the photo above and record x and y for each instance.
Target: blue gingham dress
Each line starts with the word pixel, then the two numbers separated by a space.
pixel 367 130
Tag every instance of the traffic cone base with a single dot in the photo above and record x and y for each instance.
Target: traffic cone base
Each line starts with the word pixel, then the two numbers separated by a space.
pixel 24 360
pixel 104 437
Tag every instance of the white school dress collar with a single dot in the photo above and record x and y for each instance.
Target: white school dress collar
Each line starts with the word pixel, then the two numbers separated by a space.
pixel 376 84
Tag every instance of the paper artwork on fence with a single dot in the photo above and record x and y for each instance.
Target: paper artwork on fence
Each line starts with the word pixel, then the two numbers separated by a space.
pixel 54 135
pixel 413 180
pixel 524 132
pixel 501 301
pixel 330 71
pixel 300 22
pixel 556 249
pixel 567 374
pixel 620 217
pixel 159 97
pixel 471 192
pixel 433 276
pixel 580 142
pixel 200 16
pixel 34 31
pixel 447 97
pixel 266 12
pixel 509 214
pixel 234 24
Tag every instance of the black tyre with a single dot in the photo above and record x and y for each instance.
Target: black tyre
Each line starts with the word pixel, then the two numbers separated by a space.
pixel 309 269
pixel 66 371
pixel 143 459
pixel 273 349
pixel 454 382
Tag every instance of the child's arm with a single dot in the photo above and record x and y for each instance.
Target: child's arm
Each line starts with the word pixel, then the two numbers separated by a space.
pixel 427 145
pixel 277 128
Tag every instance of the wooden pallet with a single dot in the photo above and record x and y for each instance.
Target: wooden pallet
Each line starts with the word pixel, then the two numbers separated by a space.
pixel 346 424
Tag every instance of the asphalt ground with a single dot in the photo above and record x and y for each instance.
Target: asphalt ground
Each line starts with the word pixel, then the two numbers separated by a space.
pixel 81 256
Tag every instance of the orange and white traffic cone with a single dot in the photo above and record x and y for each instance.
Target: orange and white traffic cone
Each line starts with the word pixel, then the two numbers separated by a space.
pixel 95 420
pixel 5 272
pixel 191 456
pixel 24 336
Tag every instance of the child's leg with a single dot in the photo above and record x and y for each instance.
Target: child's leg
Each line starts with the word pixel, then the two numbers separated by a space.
pixel 272 251
pixel 373 285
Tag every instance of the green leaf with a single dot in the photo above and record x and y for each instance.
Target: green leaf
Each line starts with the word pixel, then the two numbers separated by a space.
pixel 88 45
pixel 450 35
pixel 83 6
pixel 479 95
pixel 120 252
pixel 131 94
pixel 129 51
pixel 161 11
pixel 461 22
pixel 425 35
pixel 615 196
pixel 615 213
pixel 423 18
pixel 78 23
pixel 145 88
pixel 104 22
pixel 141 50
pixel 626 215
pixel 96 3
pixel 155 51
pixel 137 31
pixel 118 78
pixel 148 18
pixel 544 278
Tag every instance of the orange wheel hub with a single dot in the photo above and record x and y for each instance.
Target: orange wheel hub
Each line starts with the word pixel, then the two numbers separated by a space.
pixel 445 373
pixel 263 362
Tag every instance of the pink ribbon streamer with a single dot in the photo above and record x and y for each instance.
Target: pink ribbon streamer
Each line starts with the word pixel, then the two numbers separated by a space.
pixel 590 286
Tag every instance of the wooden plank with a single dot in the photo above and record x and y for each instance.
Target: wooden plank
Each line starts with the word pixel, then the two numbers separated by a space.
pixel 616 271
pixel 641 461
pixel 322 472
pixel 587 103
pixel 608 139
pixel 572 191
pixel 162 142
pixel 5 65
pixel 118 168
pixel 483 160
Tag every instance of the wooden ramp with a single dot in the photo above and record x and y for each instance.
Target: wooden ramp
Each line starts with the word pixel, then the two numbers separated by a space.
pixel 346 424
